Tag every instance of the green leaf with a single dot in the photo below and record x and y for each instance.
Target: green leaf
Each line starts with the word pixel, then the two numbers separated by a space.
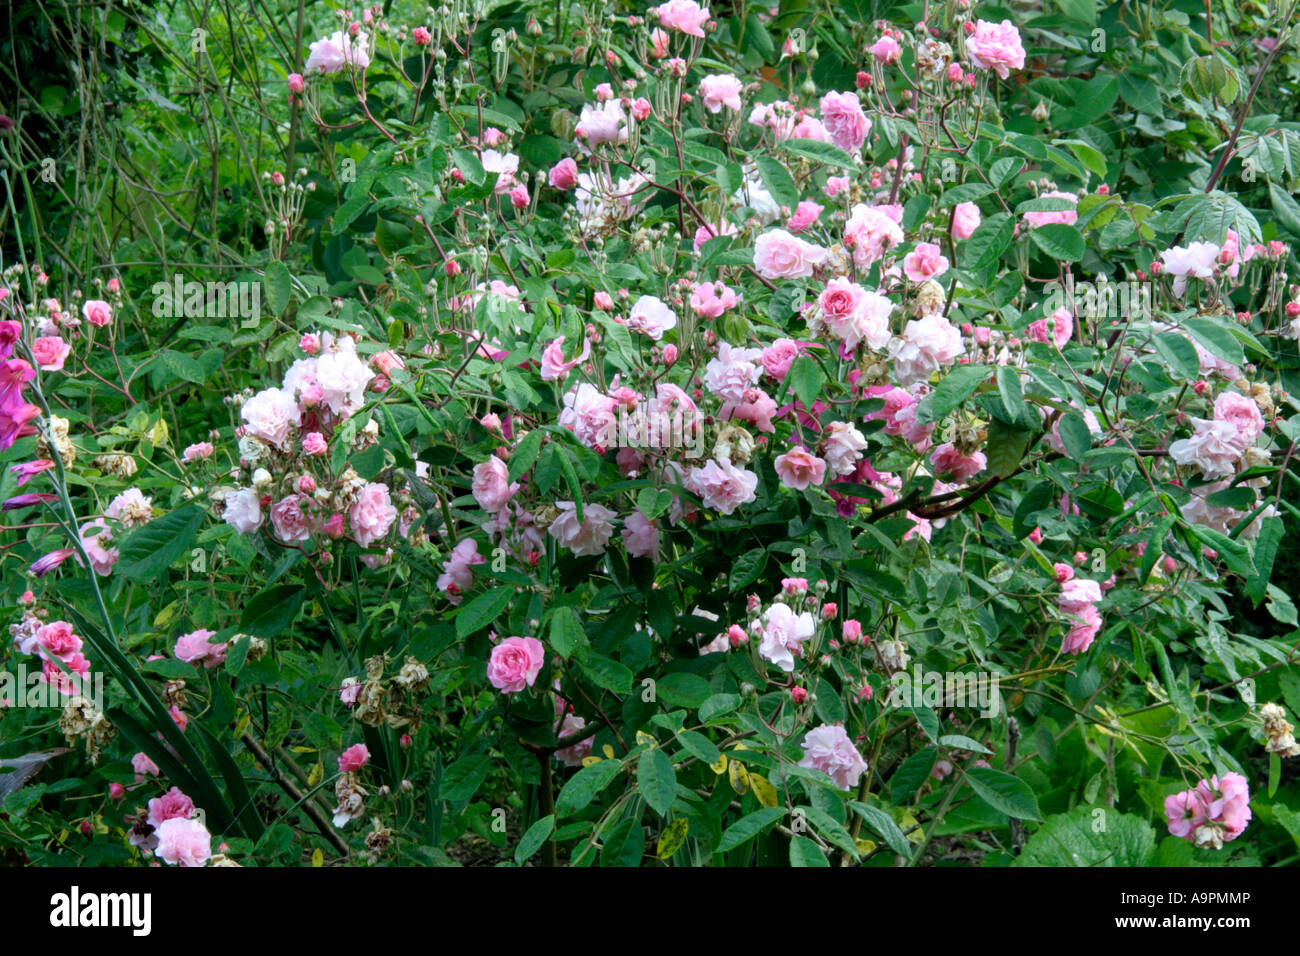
pixel 818 152
pixel 566 633
pixel 990 239
pixel 656 780
pixel 956 386
pixel 746 569
pixel 461 780
pixel 277 286
pixel 483 610
pixel 525 453
pixel 534 837
pixel 778 181
pixel 748 827
pixel 1013 399
pixel 1005 448
pixel 150 550
pixel 804 852
pixel 883 824
pixel 1218 340
pixel 1089 836
pixel 272 610
pixel 623 844
pixel 583 786
pixel 609 674
pixel 1075 435
pixel 1004 792
pixel 805 377
pixel 1061 242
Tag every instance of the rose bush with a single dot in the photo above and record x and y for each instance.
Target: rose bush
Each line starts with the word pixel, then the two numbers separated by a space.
pixel 677 435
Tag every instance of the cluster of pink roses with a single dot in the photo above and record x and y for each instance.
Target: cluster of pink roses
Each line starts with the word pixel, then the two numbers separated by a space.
pixel 1211 814
pixel 170 829
pixel 1218 444
pixel 1078 600
pixel 59 650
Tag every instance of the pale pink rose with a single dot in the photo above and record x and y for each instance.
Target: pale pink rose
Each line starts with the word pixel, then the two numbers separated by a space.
pixel 243 510
pixel 779 356
pixel 946 458
pixel 183 842
pixel 886 50
pixel 996 47
pixel 331 54
pixel 836 185
pixel 685 16
pixel 799 468
pixel 515 663
pixel 591 535
pixel 721 89
pixel 1078 593
pixel 313 443
pixel 590 415
pixel 144 767
pixel 829 749
pixel 564 174
pixel 350 691
pixel 97 539
pixel 456 576
pixel 1184 812
pixel 1083 631
pixel 372 514
pixel 197 451
pixel 49 351
pixel 658 43
pixel 342 377
pixel 852 314
pixel 503 166
pixel 194 648
pixel 1242 414
pixel 733 372
pixel 805 215
pixel 842 447
pixel 519 197
pixel 926 345
pixel 1057 328
pixel 289 517
pixel 965 220
pixel 845 121
pixel 640 536
pixel 871 233
pixel 706 232
pixel 1214 447
pixel 651 316
pixel 386 361
pixel 172 805
pixel 925 262
pixel 779 255
pixel 492 487
pixel 722 486
pixel 56 639
pixel 572 756
pixel 710 299
pixel 602 124
pixel 269 415
pixel 1067 216
pixel 354 758
pixel 554 365
pixel 783 634
pixel 97 312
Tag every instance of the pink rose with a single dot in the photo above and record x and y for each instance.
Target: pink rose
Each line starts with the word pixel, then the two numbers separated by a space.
pixel 289 518
pixel 924 262
pixel 829 749
pixel 313 443
pixel 710 299
pixel 779 356
pixel 845 121
pixel 651 316
pixel 779 255
pixel 1067 216
pixel 946 458
pixel 719 90
pixel 722 486
pixel 372 514
pixel 195 648
pixel 97 312
pixel 515 663
pixel 564 174
pixel 996 47
pixel 183 842
pixel 685 16
pixel 492 488
pixel 805 215
pixel 354 758
pixel 1242 414
pixel 799 468
pixel 588 537
pixel 640 536
pixel 886 50
pixel 1214 447
pixel 173 805
pixel 49 352
pixel 965 220
pixel 871 233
